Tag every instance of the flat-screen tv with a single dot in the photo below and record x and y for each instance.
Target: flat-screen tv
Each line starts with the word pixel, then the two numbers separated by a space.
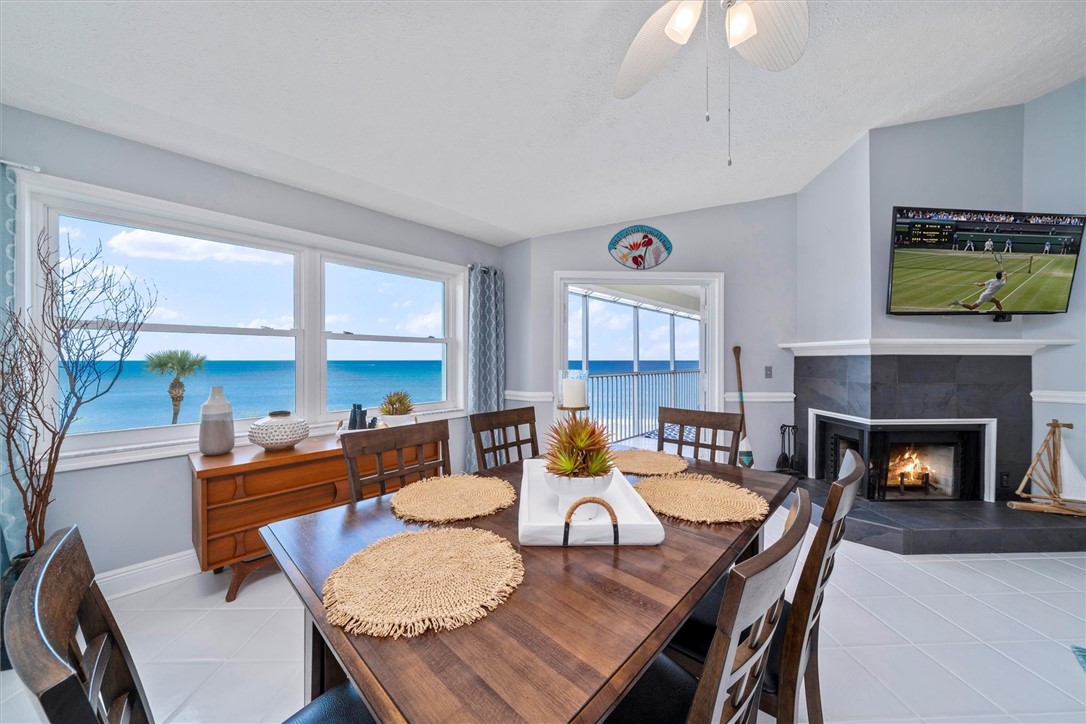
pixel 957 261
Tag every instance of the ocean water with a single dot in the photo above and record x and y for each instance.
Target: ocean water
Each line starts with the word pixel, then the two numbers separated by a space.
pixel 141 399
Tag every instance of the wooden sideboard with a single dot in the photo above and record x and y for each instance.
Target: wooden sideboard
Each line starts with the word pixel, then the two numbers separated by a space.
pixel 236 493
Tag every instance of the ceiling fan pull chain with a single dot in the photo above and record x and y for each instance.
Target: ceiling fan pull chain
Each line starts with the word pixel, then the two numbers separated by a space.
pixel 728 54
pixel 706 5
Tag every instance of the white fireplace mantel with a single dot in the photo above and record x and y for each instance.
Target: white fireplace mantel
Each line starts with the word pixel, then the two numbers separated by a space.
pixel 988 481
pixel 873 347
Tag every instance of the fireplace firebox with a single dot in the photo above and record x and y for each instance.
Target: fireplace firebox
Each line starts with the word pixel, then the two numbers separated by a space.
pixel 906 462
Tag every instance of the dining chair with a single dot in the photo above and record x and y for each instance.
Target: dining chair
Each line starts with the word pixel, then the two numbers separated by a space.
pixel 731 679
pixel 501 435
pixel 705 426
pixel 794 652
pixel 67 648
pixel 405 453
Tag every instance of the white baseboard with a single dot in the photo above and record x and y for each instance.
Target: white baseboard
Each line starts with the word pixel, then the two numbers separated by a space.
pixel 138 576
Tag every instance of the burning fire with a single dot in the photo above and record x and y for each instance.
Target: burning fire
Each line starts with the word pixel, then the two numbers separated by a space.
pixel 910 464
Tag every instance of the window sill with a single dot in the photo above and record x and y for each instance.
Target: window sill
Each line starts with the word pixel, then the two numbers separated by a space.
pixel 123 454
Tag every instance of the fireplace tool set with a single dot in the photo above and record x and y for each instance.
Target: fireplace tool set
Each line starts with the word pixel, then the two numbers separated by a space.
pixel 789 461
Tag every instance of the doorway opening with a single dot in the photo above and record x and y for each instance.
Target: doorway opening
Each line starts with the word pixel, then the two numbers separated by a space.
pixel 643 344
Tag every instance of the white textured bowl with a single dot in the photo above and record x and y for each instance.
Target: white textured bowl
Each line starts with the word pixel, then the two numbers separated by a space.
pixel 280 430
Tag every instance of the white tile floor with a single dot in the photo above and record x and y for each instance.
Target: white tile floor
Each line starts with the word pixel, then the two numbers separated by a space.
pixel 966 638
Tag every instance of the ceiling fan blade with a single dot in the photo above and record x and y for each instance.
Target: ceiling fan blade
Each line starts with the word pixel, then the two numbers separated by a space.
pixel 783 27
pixel 650 51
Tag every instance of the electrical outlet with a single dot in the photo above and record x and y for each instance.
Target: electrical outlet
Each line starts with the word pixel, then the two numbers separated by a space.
pixel 1004 480
pixel 768 372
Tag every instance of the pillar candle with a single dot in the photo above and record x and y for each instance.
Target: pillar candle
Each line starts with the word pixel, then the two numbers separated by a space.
pixel 573 392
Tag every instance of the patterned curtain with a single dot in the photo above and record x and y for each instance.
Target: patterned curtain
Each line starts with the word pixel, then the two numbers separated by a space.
pixel 12 520
pixel 486 346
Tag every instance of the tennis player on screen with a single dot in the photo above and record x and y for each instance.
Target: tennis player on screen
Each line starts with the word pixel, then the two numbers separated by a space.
pixel 991 286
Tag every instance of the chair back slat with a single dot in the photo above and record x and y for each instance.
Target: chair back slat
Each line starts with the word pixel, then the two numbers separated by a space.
pixel 504 436
pixel 710 431
pixel 731 680
pixel 55 604
pixel 801 632
pixel 374 457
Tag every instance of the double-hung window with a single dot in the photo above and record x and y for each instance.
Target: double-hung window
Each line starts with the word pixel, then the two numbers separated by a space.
pixel 384 331
pixel 282 319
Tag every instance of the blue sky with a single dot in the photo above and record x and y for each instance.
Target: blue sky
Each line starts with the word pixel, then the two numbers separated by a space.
pixel 210 283
pixel 611 332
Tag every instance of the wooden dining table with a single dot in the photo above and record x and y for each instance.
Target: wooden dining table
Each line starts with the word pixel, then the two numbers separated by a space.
pixel 566 645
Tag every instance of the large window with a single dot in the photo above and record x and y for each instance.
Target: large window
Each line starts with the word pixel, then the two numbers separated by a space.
pixel 283 319
pixel 208 292
pixel 384 332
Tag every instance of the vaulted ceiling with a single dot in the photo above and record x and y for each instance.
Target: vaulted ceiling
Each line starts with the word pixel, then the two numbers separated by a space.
pixel 497 120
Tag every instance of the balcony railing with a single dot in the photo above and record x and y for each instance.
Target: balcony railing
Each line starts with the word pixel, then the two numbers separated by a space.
pixel 627 402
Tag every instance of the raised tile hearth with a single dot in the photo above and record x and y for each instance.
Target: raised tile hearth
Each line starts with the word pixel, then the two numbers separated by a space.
pixel 945 526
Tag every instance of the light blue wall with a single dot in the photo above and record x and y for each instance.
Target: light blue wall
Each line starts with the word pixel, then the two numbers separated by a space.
pixel 1054 151
pixel 140 511
pixel 753 244
pixel 1054 179
pixel 833 250
pixel 972 161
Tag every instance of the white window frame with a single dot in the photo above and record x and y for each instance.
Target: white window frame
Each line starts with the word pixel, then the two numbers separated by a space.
pixel 43 198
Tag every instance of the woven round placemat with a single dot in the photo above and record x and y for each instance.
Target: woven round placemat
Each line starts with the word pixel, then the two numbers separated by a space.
pixel 453 497
pixel 409 583
pixel 648 462
pixel 701 499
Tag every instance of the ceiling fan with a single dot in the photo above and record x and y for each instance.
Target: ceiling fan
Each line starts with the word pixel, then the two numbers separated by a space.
pixel 771 34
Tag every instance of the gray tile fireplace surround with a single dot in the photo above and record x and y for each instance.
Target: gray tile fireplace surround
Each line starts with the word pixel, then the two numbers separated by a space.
pixel 888 387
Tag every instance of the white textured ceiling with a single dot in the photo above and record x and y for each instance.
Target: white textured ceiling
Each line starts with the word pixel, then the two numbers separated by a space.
pixel 496 120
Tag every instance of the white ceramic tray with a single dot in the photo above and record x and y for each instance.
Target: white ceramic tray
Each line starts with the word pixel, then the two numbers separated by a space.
pixel 541 524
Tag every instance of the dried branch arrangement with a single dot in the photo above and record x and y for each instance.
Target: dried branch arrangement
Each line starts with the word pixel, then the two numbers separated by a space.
pixel 64 351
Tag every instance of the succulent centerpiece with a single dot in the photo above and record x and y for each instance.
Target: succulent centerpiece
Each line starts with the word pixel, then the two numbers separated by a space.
pixel 578 463
pixel 396 408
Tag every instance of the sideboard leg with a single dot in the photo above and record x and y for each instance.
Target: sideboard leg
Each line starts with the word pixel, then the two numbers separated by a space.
pixel 241 570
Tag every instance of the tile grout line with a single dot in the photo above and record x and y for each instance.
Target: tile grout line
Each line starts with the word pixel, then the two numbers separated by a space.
pixel 1016 619
pixel 187 699
pixel 884 685
pixel 1056 580
pixel 1054 685
pixel 1081 616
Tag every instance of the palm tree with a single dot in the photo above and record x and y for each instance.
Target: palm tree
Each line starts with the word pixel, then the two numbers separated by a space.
pixel 180 363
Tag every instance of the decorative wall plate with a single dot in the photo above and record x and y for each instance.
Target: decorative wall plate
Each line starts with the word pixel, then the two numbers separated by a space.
pixel 640 247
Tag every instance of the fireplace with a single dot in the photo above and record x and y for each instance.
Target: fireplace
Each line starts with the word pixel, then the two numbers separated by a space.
pixel 908 461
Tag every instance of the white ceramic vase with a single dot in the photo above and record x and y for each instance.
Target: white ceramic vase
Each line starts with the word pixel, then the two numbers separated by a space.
pixel 397 420
pixel 216 424
pixel 280 430
pixel 570 490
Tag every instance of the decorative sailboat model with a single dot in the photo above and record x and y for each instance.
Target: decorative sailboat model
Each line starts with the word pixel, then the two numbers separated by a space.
pixel 1055 478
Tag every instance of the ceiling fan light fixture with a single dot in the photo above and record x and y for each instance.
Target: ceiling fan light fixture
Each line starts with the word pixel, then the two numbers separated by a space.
pixel 683 21
pixel 739 24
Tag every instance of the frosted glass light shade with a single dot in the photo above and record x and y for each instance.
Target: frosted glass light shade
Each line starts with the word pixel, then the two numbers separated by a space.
pixel 740 23
pixel 683 21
